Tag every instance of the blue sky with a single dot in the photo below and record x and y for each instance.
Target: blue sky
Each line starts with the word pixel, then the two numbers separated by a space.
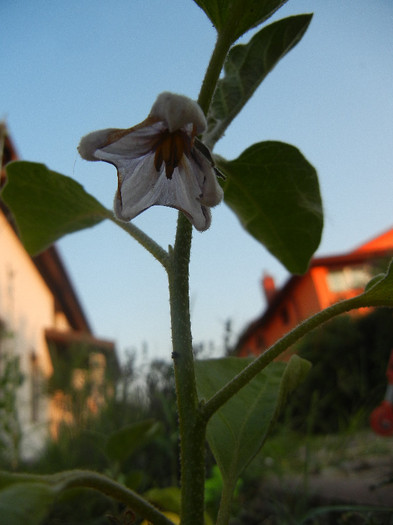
pixel 70 68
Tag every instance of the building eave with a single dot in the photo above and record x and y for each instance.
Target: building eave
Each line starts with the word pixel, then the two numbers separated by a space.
pixel 53 271
pixel 68 339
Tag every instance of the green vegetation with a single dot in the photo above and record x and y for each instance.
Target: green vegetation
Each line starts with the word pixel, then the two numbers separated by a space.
pixel 348 378
pixel 11 380
pixel 317 439
pixel 274 192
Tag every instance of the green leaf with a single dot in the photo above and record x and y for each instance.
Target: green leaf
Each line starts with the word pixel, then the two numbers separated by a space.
pixel 167 498
pixel 47 205
pixel 237 431
pixel 379 291
pixel 376 279
pixel 24 503
pixel 274 192
pixel 124 442
pixel 134 478
pixel 238 16
pixel 294 374
pixel 245 68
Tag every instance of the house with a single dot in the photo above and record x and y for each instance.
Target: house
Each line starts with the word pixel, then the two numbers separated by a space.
pixel 327 281
pixel 43 326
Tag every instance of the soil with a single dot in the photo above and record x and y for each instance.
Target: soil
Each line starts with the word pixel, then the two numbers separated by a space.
pixel 363 482
pixel 357 472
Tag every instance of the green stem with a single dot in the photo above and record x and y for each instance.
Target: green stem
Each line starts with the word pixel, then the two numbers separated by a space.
pixel 147 242
pixel 225 504
pixel 213 71
pixel 191 427
pixel 223 44
pixel 231 388
pixel 93 480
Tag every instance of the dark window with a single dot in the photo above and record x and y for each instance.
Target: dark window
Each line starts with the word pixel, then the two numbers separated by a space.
pixel 284 315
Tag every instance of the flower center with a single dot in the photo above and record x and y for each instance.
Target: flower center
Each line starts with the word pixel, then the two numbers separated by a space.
pixel 169 148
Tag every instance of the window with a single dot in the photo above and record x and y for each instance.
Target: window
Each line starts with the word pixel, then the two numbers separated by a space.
pixel 348 278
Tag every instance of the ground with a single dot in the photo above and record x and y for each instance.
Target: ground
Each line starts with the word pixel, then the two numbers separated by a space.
pixel 300 475
pixel 367 481
pixel 355 468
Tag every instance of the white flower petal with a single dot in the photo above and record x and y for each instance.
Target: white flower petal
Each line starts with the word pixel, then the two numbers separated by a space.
pixel 177 111
pixel 90 143
pixel 158 162
pixel 130 144
pixel 144 188
pixel 138 188
pixel 212 193
pixel 186 196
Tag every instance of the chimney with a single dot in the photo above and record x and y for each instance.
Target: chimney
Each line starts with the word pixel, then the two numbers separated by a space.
pixel 269 287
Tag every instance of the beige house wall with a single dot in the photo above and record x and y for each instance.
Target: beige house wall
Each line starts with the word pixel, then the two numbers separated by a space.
pixel 27 308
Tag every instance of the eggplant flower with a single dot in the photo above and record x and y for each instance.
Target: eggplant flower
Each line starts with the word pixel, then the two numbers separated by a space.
pixel 160 162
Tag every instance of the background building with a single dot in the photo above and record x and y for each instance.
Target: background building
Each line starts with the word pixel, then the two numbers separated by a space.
pixel 327 281
pixel 43 328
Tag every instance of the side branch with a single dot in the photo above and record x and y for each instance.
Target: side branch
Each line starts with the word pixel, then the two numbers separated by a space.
pixel 147 242
pixel 231 388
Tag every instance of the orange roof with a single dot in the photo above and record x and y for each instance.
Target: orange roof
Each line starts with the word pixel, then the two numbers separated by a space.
pixel 382 242
pixel 377 248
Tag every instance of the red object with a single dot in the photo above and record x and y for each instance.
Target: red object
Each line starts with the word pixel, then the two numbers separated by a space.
pixel 381 418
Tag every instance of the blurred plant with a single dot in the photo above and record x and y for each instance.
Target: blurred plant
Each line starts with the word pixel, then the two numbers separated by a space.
pixel 336 394
pixel 11 379
pixel 133 439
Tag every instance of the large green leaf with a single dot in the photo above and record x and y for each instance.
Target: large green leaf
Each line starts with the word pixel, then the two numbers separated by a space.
pixel 47 205
pixel 237 431
pixel 25 503
pixel 274 192
pixel 238 16
pixel 245 68
pixel 124 442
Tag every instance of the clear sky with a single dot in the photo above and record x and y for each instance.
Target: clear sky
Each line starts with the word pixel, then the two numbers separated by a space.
pixel 68 68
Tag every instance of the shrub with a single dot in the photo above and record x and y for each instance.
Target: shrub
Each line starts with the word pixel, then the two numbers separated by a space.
pixel 348 378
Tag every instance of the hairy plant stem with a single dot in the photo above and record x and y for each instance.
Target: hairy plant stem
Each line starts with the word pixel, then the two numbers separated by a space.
pixel 147 242
pixel 223 43
pixel 191 426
